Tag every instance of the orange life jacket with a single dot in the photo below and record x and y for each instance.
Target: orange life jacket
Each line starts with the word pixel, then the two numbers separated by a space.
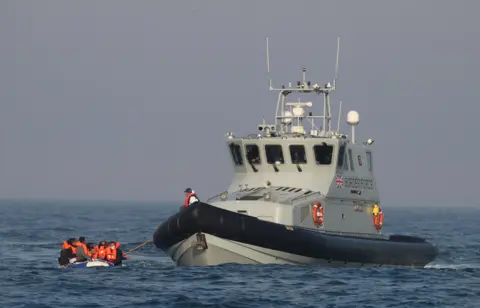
pixel 187 200
pixel 66 245
pixel 99 252
pixel 110 254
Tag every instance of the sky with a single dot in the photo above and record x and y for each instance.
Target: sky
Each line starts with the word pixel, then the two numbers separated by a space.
pixel 130 100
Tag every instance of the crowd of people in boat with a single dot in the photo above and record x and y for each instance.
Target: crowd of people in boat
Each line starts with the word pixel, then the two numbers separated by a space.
pixel 74 250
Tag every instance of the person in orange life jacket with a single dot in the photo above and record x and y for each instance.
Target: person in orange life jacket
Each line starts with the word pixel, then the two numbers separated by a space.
pixel 190 198
pixel 114 254
pixel 119 257
pixel 83 253
pixel 100 250
pixel 91 250
pixel 67 253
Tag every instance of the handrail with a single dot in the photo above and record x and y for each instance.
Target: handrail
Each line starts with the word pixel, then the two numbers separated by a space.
pixel 214 197
pixel 249 192
pixel 304 197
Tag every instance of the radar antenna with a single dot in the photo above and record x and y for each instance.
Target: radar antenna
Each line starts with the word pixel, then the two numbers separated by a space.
pixel 336 64
pixel 339 115
pixel 268 68
pixel 283 118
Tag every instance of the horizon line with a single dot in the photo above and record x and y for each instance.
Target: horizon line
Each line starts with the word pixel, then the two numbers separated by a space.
pixel 173 202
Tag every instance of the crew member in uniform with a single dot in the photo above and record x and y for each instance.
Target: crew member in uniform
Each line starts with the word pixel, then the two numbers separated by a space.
pixel 190 198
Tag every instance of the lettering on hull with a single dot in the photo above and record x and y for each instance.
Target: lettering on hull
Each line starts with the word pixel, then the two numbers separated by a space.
pixel 353 182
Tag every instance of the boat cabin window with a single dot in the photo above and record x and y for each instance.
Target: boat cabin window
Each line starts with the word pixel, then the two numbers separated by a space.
pixel 323 154
pixel 369 161
pixel 341 156
pixel 345 161
pixel 253 153
pixel 274 153
pixel 236 154
pixel 297 153
pixel 350 158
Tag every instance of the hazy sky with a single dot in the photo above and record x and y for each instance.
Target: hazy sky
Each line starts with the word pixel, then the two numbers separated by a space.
pixel 131 99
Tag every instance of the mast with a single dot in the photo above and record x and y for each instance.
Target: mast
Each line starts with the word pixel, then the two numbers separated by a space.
pixel 285 118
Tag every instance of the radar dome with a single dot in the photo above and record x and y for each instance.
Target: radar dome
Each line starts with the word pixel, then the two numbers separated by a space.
pixel 298 111
pixel 352 117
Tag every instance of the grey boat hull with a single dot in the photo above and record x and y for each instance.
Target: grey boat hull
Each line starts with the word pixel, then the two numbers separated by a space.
pixel 204 235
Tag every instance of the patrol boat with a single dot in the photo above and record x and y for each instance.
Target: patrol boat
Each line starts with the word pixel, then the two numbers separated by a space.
pixel 299 195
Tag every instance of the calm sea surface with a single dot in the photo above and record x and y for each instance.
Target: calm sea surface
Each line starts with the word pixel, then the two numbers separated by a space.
pixel 31 234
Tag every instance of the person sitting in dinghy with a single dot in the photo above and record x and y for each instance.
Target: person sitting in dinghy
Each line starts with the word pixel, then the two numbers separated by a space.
pixel 84 252
pixel 191 197
pixel 100 250
pixel 114 254
pixel 68 251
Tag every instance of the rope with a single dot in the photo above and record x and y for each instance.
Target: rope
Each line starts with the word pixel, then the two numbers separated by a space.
pixel 139 246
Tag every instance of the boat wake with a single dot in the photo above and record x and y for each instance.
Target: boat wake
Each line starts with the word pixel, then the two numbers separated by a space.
pixel 453 266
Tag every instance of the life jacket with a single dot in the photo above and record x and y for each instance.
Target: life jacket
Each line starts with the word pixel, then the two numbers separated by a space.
pixel 99 252
pixel 187 200
pixel 66 245
pixel 66 254
pixel 110 254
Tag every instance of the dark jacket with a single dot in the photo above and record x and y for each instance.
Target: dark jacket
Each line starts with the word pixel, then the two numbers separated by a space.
pixel 65 256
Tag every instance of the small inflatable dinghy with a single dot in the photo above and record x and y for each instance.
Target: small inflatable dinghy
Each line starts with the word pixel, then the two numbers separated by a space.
pixel 95 263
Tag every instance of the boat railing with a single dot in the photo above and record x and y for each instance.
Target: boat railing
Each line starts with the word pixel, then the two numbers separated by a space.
pixel 305 197
pixel 217 196
pixel 254 190
pixel 243 192
pixel 214 197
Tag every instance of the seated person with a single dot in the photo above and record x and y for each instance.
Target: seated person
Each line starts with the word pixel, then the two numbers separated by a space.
pixel 114 254
pixel 91 251
pixel 68 252
pixel 119 255
pixel 100 250
pixel 83 253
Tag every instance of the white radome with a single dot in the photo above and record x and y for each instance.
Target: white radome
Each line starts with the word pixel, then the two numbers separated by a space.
pixel 298 111
pixel 353 117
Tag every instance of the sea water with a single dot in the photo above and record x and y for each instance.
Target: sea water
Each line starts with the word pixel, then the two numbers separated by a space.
pixel 31 233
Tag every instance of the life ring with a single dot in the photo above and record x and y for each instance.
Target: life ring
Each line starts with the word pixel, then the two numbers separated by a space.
pixel 378 220
pixel 317 213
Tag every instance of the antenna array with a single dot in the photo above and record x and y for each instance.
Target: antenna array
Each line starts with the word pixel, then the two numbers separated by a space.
pixel 283 118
